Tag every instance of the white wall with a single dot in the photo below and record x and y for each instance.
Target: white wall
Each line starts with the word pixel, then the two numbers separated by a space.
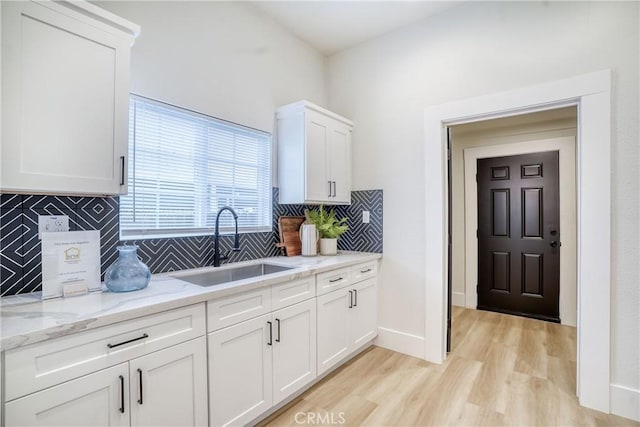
pixel 478 48
pixel 224 59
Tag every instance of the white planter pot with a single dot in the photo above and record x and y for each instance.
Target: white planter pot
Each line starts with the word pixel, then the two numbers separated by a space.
pixel 328 246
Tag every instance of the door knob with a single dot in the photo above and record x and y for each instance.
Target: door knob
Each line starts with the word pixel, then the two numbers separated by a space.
pixel 553 244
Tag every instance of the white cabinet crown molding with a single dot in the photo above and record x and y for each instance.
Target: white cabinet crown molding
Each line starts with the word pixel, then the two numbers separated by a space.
pixel 105 18
pixel 296 107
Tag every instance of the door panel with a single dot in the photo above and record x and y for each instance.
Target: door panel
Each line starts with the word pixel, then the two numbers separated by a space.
pixel 340 163
pixel 363 316
pixel 518 225
pixel 500 208
pixel 294 349
pixel 333 338
pixel 500 276
pixel 240 372
pixel 169 387
pixel 100 399
pixel 532 212
pixel 317 132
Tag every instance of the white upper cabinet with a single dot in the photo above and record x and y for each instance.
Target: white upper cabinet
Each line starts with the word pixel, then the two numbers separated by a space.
pixel 314 155
pixel 65 98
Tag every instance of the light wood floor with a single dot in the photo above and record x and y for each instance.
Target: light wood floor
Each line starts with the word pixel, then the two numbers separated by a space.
pixel 503 370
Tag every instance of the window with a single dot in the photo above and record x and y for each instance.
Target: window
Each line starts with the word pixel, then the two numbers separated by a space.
pixel 184 166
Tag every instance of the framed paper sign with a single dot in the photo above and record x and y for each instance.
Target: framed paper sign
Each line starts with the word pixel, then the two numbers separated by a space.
pixel 70 263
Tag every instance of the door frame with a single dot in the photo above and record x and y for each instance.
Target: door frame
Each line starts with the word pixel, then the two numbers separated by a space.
pixel 565 145
pixel 592 95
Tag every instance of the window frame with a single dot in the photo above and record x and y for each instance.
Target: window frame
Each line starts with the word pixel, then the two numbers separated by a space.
pixel 185 232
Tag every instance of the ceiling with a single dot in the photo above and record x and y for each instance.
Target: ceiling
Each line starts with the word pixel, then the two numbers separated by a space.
pixel 331 26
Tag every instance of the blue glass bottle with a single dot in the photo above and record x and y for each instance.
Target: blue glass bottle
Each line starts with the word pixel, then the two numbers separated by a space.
pixel 128 273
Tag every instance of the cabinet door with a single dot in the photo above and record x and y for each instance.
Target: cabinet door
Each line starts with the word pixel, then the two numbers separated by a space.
pixel 333 338
pixel 363 317
pixel 169 387
pixel 317 133
pixel 100 399
pixel 340 163
pixel 294 349
pixel 240 372
pixel 65 88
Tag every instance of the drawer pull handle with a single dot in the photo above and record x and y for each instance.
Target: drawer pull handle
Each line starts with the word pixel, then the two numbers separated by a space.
pixel 365 271
pixel 350 299
pixel 121 394
pixel 278 323
pixel 129 341
pixel 270 342
pixel 336 280
pixel 140 385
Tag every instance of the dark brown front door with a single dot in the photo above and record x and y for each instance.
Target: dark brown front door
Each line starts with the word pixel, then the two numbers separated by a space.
pixel 519 235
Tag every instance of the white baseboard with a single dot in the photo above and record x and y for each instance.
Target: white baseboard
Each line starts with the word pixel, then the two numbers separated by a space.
pixel 402 342
pixel 458 299
pixel 625 402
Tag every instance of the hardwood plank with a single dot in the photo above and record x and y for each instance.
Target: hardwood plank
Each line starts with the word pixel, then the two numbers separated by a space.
pixel 491 387
pixel 562 373
pixel 505 370
pixel 561 341
pixel 448 395
pixel 474 415
pixel 532 353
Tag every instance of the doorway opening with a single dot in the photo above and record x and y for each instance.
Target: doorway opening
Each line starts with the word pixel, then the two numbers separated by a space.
pixel 591 93
pixel 510 230
pixel 527 134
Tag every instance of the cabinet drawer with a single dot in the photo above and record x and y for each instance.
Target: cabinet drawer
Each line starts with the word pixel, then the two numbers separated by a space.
pixel 289 293
pixel 364 271
pixel 332 280
pixel 234 309
pixel 42 365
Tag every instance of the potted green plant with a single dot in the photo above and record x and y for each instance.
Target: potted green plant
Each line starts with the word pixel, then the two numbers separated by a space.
pixel 329 227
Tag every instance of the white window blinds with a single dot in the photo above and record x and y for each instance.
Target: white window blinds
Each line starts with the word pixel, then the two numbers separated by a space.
pixel 184 166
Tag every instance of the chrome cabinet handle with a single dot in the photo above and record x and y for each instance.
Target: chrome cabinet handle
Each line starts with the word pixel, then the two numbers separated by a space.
pixel 355 295
pixel 278 323
pixel 336 280
pixel 128 341
pixel 350 299
pixel 270 342
pixel 329 188
pixel 365 271
pixel 334 189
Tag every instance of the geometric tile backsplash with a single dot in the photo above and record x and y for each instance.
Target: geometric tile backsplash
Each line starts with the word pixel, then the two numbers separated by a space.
pixel 20 253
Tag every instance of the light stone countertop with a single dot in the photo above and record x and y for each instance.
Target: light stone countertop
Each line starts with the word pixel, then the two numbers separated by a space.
pixel 26 319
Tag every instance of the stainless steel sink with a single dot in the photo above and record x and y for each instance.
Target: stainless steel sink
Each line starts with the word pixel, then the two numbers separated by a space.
pixel 218 277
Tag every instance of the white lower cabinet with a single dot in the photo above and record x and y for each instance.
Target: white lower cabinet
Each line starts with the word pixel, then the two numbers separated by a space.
pixel 169 387
pixel 333 335
pixel 165 388
pixel 294 349
pixel 363 316
pixel 240 372
pixel 347 319
pixel 100 399
pixel 260 362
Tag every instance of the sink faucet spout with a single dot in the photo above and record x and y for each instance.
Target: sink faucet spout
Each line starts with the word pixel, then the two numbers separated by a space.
pixel 236 241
